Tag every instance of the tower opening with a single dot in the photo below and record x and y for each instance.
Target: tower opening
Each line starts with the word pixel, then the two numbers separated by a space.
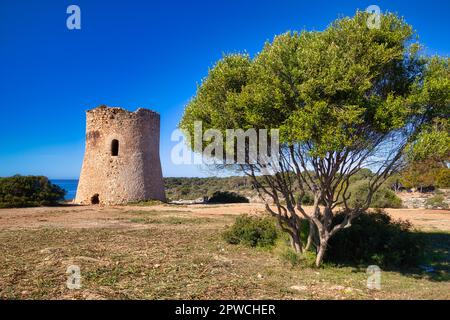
pixel 115 148
pixel 95 199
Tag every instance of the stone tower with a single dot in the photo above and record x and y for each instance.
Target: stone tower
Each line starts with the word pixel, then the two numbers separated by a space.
pixel 121 161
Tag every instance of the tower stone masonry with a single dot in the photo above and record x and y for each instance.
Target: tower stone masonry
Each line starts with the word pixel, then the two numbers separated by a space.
pixel 121 161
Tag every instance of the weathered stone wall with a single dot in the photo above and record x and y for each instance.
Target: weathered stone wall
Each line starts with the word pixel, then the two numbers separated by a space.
pixel 135 173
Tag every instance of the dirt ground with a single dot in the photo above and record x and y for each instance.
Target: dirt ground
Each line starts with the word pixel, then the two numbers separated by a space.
pixel 176 252
pixel 99 217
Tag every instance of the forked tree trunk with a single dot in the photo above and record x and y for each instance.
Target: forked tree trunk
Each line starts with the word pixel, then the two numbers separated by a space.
pixel 311 236
pixel 309 242
pixel 321 252
pixel 296 242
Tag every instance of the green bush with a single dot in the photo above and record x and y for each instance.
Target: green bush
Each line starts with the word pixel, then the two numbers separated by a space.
pixel 443 178
pixel 383 198
pixel 227 197
pixel 362 174
pixel 251 231
pixel 436 202
pixel 194 188
pixel 29 191
pixel 290 257
pixel 374 238
pixel 386 198
pixel 308 199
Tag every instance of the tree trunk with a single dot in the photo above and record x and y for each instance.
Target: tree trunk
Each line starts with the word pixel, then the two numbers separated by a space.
pixel 311 236
pixel 321 252
pixel 296 242
pixel 309 242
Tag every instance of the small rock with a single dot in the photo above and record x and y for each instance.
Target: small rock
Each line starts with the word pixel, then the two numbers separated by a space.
pixel 222 259
pixel 48 250
pixel 348 290
pixel 260 276
pixel 156 266
pixel 299 288
pixel 89 259
pixel 337 288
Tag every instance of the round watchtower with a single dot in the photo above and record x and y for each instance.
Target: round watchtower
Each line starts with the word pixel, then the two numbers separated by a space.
pixel 121 161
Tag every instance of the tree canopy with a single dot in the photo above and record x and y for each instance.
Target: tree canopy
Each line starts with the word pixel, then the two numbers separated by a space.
pixel 343 98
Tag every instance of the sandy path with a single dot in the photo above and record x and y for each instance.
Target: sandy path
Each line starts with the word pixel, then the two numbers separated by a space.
pixel 97 217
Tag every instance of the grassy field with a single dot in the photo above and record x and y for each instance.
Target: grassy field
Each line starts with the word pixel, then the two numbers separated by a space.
pixel 177 253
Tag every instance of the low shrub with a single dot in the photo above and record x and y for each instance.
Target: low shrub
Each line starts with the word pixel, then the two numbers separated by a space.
pixel 227 197
pixel 386 198
pixel 251 231
pixel 308 199
pixel 436 202
pixel 29 191
pixel 383 197
pixel 374 238
pixel 290 257
pixel 443 178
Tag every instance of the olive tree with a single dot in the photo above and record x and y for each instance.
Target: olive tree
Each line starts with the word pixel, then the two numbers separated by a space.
pixel 343 99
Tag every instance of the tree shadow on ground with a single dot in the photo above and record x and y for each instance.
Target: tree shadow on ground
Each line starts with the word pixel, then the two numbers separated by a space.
pixel 435 264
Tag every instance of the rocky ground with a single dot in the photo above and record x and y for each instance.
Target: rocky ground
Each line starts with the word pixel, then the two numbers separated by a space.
pixel 418 200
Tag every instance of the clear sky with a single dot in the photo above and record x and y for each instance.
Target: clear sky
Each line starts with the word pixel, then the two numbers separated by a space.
pixel 134 54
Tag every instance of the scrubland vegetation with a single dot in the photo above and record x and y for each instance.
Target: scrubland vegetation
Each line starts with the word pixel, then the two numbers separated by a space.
pixel 375 238
pixel 29 191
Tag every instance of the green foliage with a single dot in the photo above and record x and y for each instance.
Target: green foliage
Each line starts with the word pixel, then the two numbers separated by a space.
pixel 382 198
pixel 349 92
pixel 443 178
pixel 362 174
pixel 422 173
pixel 227 197
pixel 287 255
pixel 251 231
pixel 28 191
pixel 307 199
pixel 434 93
pixel 436 137
pixel 291 257
pixel 427 166
pixel 375 238
pixel 436 202
pixel 215 103
pixel 335 89
pixel 194 188
pixel 201 187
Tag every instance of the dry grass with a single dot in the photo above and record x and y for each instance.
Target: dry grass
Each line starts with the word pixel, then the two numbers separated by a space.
pixel 143 253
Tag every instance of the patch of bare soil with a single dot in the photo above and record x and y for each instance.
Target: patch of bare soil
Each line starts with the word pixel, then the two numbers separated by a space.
pixel 116 217
pixel 424 219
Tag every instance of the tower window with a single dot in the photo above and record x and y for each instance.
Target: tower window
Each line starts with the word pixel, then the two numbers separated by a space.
pixel 115 148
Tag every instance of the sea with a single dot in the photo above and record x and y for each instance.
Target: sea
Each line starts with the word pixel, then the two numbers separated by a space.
pixel 69 185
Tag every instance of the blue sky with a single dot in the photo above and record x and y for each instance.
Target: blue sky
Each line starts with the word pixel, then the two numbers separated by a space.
pixel 136 54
